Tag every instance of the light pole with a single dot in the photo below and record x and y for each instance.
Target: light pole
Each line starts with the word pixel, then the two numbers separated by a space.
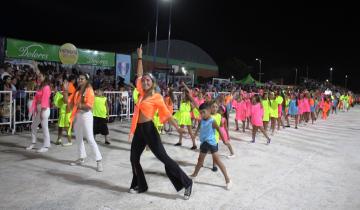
pixel 259 68
pixel 296 72
pixel 168 47
pixel 346 78
pixel 331 70
pixel 156 30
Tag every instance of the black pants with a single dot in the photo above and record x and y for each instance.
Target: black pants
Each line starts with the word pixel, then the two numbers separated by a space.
pixel 146 134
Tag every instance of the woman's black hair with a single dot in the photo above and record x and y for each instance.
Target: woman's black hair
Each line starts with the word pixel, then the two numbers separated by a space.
pixel 87 77
pixel 205 105
pixel 46 79
pixel 257 98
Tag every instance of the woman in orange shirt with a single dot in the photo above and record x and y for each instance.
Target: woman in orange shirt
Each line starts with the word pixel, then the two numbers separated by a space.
pixel 144 133
pixel 81 104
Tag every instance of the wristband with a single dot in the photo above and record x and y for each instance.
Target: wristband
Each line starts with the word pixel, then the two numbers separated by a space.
pixel 139 58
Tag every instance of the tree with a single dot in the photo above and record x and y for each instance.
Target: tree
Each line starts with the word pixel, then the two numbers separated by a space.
pixel 234 67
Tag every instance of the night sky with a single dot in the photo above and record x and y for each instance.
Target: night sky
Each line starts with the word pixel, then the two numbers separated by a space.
pixel 319 38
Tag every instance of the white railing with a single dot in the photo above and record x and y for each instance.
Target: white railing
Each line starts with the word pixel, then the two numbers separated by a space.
pixel 14 107
pixel 119 104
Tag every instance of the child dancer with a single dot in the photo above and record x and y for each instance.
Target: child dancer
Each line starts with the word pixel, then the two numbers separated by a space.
pixel 293 109
pixel 225 131
pixel 306 106
pixel 248 110
pixel 208 143
pixel 240 110
pixel 256 118
pixel 286 109
pixel 183 117
pixel 326 108
pixel 312 108
pixel 280 101
pixel 274 111
pixel 217 117
pixel 265 102
pixel 101 115
pixel 64 116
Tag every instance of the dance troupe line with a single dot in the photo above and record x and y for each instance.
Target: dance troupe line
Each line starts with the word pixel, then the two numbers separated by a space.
pixel 86 111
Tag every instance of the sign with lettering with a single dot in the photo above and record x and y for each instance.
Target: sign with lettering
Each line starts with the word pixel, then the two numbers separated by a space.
pixel 45 52
pixel 97 58
pixel 31 50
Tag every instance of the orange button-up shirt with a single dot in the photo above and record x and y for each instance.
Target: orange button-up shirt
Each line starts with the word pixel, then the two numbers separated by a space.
pixel 148 107
pixel 75 100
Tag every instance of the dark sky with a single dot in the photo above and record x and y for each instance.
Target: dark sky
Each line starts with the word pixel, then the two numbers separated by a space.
pixel 284 38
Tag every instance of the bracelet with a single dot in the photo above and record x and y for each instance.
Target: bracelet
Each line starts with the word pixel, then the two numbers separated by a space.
pixel 139 58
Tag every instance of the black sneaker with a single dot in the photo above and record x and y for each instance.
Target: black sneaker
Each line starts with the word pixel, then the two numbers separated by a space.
pixel 188 191
pixel 177 144
pixel 253 141
pixel 107 142
pixel 214 169
pixel 268 141
pixel 193 148
pixel 136 190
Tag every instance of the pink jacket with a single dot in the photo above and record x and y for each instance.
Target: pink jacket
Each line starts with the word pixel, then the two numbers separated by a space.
pixel 41 97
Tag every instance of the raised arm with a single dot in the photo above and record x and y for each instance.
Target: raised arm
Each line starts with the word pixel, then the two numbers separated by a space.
pixel 140 70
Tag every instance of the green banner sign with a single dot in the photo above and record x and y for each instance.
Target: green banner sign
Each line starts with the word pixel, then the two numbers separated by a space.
pixel 31 50
pixel 98 58
pixel 39 51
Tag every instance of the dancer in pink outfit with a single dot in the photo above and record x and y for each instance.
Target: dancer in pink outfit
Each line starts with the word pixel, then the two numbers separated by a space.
pixel 257 113
pixel 240 108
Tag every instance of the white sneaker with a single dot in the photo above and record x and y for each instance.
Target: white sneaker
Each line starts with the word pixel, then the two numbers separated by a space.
pixel 228 185
pixel 67 144
pixel 30 147
pixel 78 162
pixel 193 178
pixel 231 156
pixel 99 166
pixel 42 149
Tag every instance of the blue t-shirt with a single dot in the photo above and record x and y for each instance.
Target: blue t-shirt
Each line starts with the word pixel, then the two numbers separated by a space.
pixel 207 132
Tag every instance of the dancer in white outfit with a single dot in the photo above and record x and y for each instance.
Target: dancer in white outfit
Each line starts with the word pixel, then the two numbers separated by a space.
pixel 81 104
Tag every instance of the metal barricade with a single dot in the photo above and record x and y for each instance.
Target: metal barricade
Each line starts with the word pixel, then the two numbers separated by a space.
pixel 131 106
pixel 22 102
pixel 177 100
pixel 118 103
pixel 6 110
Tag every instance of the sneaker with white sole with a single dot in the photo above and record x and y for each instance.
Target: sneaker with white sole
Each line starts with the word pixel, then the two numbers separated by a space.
pixel 188 191
pixel 99 166
pixel 42 149
pixel 58 142
pixel 192 178
pixel 228 185
pixel 78 162
pixel 30 147
pixel 134 190
pixel 67 144
pixel 231 156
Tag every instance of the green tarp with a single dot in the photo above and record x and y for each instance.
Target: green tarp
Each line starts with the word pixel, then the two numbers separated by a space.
pixel 249 80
